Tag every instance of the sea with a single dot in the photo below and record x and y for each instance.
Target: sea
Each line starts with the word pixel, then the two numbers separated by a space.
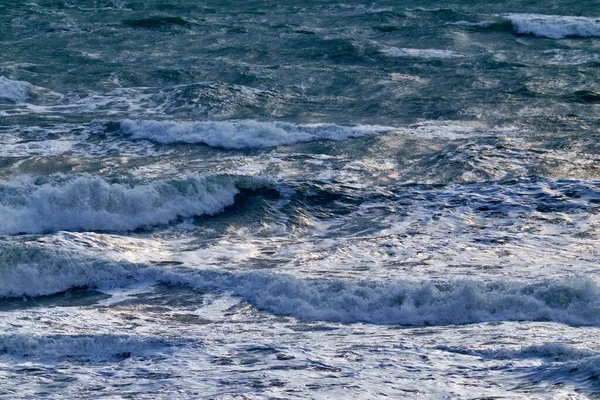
pixel 205 199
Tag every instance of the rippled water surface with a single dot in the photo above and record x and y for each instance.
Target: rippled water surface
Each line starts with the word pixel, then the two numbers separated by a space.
pixel 290 200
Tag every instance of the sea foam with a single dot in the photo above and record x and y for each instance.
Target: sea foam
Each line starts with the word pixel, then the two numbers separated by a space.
pixel 14 91
pixel 241 134
pixel 85 202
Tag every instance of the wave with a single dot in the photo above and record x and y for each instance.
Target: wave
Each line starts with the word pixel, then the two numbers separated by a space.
pixel 424 303
pixel 85 202
pixel 100 347
pixel 554 26
pixel 32 271
pixel 548 26
pixel 14 91
pixel 210 99
pixel 242 134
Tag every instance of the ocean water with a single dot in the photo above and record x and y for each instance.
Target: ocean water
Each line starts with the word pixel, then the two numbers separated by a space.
pixel 299 200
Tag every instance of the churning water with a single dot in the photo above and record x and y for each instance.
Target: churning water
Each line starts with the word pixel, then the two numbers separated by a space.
pixel 289 200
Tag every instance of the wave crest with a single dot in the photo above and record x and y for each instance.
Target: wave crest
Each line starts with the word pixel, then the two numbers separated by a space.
pixel 548 26
pixel 87 203
pixel 240 135
pixel 554 26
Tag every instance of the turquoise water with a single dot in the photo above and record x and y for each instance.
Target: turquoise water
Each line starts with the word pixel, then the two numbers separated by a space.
pixel 299 200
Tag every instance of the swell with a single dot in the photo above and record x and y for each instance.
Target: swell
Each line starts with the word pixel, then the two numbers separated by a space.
pixel 84 202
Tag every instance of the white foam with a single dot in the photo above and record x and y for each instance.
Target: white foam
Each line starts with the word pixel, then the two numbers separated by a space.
pixel 31 271
pixel 420 53
pixel 85 202
pixel 14 91
pixel 554 26
pixel 242 134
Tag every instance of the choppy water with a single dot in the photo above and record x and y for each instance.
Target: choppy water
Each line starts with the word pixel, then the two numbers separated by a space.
pixel 299 199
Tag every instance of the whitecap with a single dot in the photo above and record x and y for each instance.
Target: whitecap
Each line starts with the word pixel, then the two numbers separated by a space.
pixel 554 351
pixel 554 26
pixel 240 134
pixel 85 202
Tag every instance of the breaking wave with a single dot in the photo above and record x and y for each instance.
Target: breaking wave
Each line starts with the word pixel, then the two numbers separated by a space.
pixel 554 26
pixel 85 202
pixel 548 26
pixel 242 134
pixel 29 270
